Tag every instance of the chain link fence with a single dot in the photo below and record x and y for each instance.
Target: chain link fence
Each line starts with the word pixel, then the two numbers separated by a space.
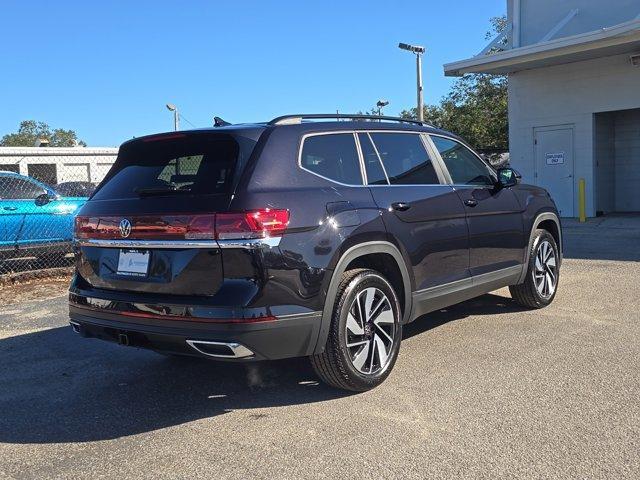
pixel 41 190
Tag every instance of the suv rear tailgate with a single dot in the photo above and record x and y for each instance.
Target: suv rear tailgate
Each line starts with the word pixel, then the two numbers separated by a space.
pixel 149 226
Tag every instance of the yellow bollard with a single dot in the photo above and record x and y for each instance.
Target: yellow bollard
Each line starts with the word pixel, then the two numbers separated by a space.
pixel 582 203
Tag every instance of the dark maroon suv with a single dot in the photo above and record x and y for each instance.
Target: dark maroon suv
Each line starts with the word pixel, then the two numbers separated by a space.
pixel 313 236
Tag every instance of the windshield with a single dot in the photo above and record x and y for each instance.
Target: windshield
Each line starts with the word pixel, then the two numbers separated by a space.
pixel 179 164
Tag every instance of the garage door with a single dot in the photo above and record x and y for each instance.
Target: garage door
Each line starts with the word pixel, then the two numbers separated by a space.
pixel 627 161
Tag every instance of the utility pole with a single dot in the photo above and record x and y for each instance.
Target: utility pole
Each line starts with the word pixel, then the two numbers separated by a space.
pixel 419 51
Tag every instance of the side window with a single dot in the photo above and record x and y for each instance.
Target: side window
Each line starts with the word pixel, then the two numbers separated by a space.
pixel 464 166
pixel 12 188
pixel 405 159
pixel 332 156
pixel 375 173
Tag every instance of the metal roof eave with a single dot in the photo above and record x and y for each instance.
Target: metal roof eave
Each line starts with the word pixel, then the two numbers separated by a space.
pixel 606 41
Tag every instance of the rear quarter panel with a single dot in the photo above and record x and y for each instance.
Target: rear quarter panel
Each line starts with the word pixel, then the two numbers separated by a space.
pixel 326 219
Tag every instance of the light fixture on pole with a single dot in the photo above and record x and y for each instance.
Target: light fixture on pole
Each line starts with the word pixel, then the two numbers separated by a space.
pixel 419 51
pixel 381 104
pixel 176 120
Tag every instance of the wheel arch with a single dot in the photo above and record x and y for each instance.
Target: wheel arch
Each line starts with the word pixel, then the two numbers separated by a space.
pixel 548 221
pixel 367 255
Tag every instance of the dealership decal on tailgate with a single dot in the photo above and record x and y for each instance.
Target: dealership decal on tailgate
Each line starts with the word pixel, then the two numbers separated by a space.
pixel 133 263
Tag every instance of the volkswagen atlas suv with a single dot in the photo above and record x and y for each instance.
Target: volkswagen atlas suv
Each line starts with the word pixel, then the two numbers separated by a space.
pixel 315 236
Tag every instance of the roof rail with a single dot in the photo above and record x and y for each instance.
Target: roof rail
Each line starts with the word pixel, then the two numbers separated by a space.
pixel 298 118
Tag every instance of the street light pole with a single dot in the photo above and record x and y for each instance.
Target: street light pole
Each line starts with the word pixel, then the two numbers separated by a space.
pixel 419 51
pixel 419 86
pixel 381 104
pixel 176 116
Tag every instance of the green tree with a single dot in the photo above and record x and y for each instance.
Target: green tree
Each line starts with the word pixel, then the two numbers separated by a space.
pixel 30 131
pixel 475 108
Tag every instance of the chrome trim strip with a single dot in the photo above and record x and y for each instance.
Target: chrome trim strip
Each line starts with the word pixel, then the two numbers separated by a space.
pixel 238 350
pixel 270 242
pixel 250 243
pixel 375 149
pixel 354 132
pixel 299 315
pixel 501 274
pixel 75 326
pixel 317 134
pixel 458 285
pixel 363 170
pixel 147 244
pixel 436 160
pixel 444 289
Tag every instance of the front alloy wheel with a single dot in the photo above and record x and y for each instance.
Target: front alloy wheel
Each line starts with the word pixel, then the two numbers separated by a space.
pixel 543 273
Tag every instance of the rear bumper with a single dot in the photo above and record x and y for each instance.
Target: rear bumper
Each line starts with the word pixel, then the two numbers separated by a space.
pixel 284 336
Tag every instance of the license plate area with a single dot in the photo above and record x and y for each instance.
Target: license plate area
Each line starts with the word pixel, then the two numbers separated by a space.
pixel 133 263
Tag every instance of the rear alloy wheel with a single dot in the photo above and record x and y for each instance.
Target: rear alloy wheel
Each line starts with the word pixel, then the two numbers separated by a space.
pixel 365 333
pixel 543 273
pixel 369 331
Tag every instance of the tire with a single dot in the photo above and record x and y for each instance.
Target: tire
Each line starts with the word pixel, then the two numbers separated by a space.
pixel 541 284
pixel 359 356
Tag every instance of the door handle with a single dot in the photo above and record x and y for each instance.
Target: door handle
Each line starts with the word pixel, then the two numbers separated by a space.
pixel 11 209
pixel 401 206
pixel 470 202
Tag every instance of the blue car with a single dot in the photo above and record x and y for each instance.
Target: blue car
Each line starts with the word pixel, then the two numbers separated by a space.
pixel 34 218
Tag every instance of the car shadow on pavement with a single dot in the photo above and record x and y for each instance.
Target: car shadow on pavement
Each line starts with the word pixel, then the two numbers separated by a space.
pixel 56 387
pixel 485 305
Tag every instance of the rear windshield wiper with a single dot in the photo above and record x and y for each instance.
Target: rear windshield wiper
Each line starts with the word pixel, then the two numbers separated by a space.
pixel 165 190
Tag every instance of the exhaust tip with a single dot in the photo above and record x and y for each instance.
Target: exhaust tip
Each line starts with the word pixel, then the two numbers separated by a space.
pixel 220 349
pixel 75 326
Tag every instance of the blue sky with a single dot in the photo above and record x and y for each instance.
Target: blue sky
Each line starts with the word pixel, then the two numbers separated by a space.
pixel 106 69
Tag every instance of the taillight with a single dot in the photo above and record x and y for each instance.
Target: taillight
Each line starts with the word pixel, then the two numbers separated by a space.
pixel 252 224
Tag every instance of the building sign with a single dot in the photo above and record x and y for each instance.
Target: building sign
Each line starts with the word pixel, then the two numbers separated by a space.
pixel 555 158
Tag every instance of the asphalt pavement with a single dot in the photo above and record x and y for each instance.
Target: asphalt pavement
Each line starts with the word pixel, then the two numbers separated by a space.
pixel 484 389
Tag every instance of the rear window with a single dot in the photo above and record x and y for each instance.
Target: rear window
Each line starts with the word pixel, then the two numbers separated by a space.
pixel 332 156
pixel 187 164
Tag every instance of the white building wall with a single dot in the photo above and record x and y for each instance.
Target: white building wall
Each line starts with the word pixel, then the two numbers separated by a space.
pixel 72 164
pixel 569 95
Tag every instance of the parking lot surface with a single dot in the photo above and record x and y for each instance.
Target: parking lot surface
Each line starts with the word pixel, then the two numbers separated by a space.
pixel 483 389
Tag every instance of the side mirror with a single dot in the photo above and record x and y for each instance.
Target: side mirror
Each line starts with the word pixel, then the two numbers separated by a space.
pixel 508 177
pixel 42 199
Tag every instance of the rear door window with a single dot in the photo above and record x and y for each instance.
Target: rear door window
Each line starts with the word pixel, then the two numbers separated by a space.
pixel 405 159
pixel 200 164
pixel 333 156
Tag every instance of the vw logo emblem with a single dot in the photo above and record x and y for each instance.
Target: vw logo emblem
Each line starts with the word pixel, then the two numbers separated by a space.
pixel 125 228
